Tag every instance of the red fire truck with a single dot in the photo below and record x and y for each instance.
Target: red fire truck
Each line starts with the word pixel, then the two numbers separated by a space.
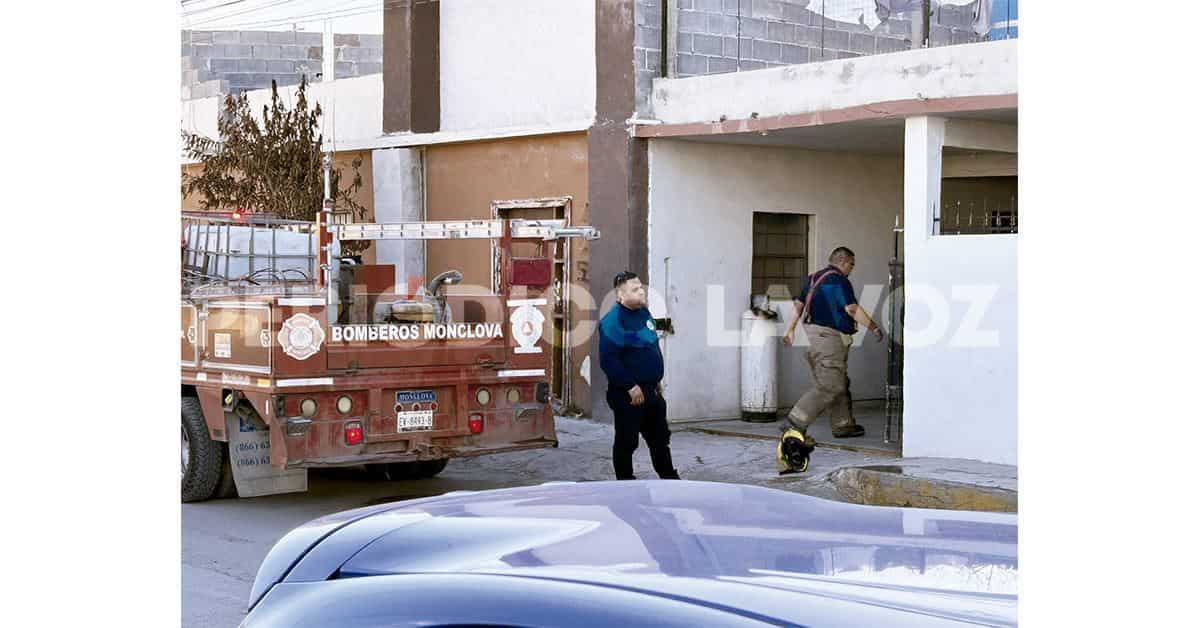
pixel 294 358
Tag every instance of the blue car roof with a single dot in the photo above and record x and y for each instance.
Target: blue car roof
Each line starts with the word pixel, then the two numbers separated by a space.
pixel 740 545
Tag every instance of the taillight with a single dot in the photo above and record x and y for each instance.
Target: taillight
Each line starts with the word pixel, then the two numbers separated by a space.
pixel 354 433
pixel 475 423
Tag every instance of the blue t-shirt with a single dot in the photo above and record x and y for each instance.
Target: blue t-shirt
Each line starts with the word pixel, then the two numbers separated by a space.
pixel 828 307
pixel 629 352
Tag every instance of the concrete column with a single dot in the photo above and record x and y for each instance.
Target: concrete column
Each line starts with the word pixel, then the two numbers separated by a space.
pixel 671 12
pixel 924 137
pixel 399 187
pixel 923 140
pixel 617 173
pixel 411 66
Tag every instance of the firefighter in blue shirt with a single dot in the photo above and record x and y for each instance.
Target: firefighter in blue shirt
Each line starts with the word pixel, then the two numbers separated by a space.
pixel 831 316
pixel 630 357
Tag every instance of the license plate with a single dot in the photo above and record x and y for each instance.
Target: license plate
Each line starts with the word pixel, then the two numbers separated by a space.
pixel 418 396
pixel 410 420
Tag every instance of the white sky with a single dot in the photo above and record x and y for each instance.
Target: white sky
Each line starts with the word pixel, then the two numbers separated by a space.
pixel 366 16
pixel 348 16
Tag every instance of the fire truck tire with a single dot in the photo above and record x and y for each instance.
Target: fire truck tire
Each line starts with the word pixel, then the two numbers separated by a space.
pixel 201 456
pixel 226 488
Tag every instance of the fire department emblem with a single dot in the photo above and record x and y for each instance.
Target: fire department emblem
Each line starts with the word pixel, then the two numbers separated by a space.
pixel 526 323
pixel 301 336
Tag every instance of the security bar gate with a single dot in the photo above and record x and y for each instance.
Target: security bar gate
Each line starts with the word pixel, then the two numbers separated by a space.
pixel 894 391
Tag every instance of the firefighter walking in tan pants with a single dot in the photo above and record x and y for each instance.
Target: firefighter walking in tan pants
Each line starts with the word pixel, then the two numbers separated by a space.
pixel 831 315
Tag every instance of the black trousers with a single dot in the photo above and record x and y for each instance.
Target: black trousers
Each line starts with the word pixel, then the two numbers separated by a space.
pixel 650 421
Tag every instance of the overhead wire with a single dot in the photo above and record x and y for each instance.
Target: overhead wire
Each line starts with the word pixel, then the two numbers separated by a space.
pixel 210 8
pixel 344 11
pixel 374 7
pixel 209 20
pixel 309 19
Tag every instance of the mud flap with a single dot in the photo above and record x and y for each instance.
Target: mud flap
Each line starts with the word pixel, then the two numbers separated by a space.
pixel 250 457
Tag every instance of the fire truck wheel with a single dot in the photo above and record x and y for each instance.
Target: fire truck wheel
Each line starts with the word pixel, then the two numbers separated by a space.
pixel 430 468
pixel 201 457
pixel 226 488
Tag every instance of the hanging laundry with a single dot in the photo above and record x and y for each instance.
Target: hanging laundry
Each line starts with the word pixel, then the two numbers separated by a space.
pixel 981 10
pixel 862 12
pixel 884 9
pixel 981 21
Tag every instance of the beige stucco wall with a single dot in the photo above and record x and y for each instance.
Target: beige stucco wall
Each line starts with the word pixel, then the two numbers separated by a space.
pixel 462 181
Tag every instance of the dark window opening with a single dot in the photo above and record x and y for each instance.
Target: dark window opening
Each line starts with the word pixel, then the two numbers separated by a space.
pixel 780 254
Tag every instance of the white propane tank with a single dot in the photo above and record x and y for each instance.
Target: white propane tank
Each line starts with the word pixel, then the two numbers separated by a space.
pixel 760 398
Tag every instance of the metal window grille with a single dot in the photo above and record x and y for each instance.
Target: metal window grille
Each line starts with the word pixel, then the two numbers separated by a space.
pixel 978 206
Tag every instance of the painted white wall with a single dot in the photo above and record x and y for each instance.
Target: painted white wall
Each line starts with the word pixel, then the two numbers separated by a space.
pixel 986 68
pixel 702 200
pixel 517 64
pixel 352 110
pixel 960 328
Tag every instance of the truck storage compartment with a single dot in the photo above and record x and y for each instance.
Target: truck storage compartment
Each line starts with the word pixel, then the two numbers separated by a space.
pixel 473 330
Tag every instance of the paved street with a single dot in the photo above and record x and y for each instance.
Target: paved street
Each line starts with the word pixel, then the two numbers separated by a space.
pixel 225 540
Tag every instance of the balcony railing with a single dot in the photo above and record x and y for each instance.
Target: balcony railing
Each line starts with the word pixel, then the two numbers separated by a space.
pixel 717 36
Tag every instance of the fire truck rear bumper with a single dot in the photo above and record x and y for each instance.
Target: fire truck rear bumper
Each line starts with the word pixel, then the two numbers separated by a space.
pixel 448 452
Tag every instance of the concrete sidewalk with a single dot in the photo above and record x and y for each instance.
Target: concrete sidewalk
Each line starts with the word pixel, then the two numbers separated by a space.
pixel 869 414
pixel 585 453
pixel 867 470
pixel 875 475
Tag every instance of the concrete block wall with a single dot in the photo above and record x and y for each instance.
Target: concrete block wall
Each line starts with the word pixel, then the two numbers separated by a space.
pixel 647 49
pixel 718 36
pixel 215 63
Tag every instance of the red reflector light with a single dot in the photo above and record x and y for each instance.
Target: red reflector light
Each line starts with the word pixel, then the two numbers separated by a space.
pixel 475 422
pixel 354 433
pixel 531 271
